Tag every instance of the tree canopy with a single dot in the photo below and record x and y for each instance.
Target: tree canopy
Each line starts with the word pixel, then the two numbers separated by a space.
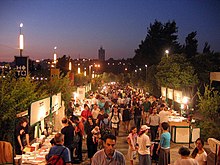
pixel 209 107
pixel 191 45
pixel 175 71
pixel 159 38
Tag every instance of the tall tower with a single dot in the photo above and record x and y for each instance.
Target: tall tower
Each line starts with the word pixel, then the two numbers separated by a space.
pixel 101 54
pixel 21 62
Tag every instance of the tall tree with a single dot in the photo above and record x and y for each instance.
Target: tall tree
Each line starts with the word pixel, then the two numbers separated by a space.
pixel 16 95
pixel 191 45
pixel 176 72
pixel 159 38
pixel 207 49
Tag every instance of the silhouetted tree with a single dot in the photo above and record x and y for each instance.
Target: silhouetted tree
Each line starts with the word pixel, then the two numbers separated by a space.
pixel 191 45
pixel 204 64
pixel 206 49
pixel 63 65
pixel 159 38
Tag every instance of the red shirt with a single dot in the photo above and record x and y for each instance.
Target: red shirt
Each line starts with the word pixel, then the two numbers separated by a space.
pixel 85 114
pixel 80 128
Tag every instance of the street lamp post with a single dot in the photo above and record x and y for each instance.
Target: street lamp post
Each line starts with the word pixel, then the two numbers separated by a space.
pixel 70 66
pixel 55 57
pixel 90 71
pixel 21 40
pixel 146 72
pixel 167 53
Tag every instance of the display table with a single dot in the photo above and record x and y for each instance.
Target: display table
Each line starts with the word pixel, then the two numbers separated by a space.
pixel 180 132
pixel 36 154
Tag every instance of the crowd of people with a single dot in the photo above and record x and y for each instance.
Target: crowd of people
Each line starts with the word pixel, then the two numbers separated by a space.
pixel 144 119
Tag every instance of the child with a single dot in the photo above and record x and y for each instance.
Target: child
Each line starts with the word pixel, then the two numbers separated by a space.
pixel 96 134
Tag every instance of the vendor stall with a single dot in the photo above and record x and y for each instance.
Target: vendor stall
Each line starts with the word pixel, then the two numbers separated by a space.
pixel 181 130
pixel 36 153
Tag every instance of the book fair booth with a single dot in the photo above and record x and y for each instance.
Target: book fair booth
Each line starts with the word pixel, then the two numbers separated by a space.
pixel 181 125
pixel 43 116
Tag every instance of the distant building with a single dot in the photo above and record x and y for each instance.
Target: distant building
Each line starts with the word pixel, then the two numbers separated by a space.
pixel 101 54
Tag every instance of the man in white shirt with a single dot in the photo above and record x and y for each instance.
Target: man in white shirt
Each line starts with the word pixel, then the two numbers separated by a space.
pixel 95 111
pixel 164 114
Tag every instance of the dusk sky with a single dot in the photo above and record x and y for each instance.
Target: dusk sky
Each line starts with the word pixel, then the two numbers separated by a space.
pixel 79 27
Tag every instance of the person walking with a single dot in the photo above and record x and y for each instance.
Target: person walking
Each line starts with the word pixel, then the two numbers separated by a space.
pixel 109 155
pixel 85 113
pixel 59 149
pixel 79 131
pixel 107 108
pixel 164 116
pixel 146 105
pixel 126 117
pixel 144 145
pixel 95 112
pixel 154 122
pixel 132 141
pixel 115 118
pixel 68 132
pixel 91 145
pixel 137 115
pixel 163 149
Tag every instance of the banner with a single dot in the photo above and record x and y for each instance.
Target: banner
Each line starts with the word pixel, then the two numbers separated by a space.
pixel 21 66
pixel 163 91
pixel 56 102
pixel 39 110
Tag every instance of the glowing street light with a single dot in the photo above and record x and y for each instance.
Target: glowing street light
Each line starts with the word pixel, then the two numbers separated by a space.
pixel 70 66
pixel 146 72
pixel 79 69
pixel 90 70
pixel 167 53
pixel 21 40
pixel 55 56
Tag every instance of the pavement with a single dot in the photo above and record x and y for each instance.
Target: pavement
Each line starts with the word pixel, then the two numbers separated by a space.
pixel 122 146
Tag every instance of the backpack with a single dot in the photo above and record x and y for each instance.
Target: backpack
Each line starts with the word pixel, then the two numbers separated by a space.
pixel 104 128
pixel 103 124
pixel 113 124
pixel 56 159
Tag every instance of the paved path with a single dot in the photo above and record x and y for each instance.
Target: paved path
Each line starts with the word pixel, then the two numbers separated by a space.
pixel 122 146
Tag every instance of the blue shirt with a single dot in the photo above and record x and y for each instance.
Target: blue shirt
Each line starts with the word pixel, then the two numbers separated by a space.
pixel 165 140
pixel 56 150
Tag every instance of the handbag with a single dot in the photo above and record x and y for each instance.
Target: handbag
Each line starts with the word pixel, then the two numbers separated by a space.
pixel 76 139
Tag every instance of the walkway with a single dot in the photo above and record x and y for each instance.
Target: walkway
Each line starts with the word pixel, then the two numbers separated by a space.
pixel 122 146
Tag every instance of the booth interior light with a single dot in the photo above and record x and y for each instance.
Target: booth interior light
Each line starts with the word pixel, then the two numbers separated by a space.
pixel 185 100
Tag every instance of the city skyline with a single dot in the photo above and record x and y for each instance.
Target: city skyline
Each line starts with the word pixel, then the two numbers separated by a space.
pixel 80 28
